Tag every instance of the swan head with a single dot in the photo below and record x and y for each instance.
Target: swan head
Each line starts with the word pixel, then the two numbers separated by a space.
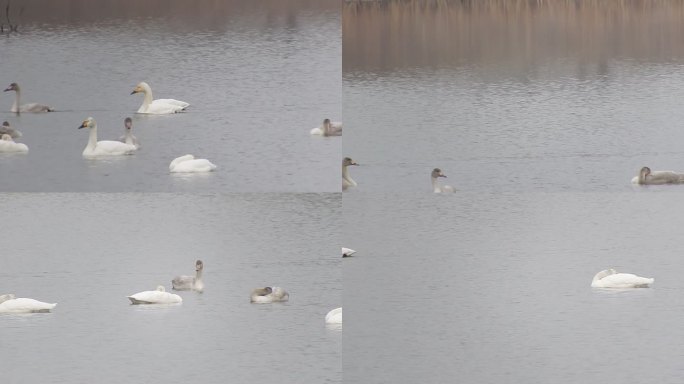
pixel 141 87
pixel 604 273
pixel 326 122
pixel 160 288
pixel 348 161
pixel 87 123
pixel 644 173
pixel 262 291
pixel 128 123
pixel 199 265
pixel 12 87
pixel 437 173
pixel 5 124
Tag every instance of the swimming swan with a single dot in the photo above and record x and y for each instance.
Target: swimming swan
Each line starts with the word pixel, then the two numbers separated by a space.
pixel 159 106
pixel 328 128
pixel 346 252
pixel 657 177
pixel 609 278
pixel 8 145
pixel 347 181
pixel 269 295
pixel 8 304
pixel 6 129
pixel 187 283
pixel 128 137
pixel 103 148
pixel 436 187
pixel 334 316
pixel 31 107
pixel 188 163
pixel 158 296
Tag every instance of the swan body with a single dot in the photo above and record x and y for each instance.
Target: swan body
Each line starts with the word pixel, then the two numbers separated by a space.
pixel 347 181
pixel 609 278
pixel 158 296
pixel 188 164
pixel 328 128
pixel 159 106
pixel 128 137
pixel 436 187
pixel 334 316
pixel 6 129
pixel 8 145
pixel 646 176
pixel 190 283
pixel 9 304
pixel 347 252
pixel 31 107
pixel 269 295
pixel 103 148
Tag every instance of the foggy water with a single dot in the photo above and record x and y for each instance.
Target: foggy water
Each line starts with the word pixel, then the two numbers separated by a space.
pixel 87 252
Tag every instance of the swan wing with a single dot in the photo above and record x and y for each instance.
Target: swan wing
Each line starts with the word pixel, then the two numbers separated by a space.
pixel 346 252
pixel 666 177
pixel 24 305
pixel 154 297
pixel 11 146
pixel 35 107
pixel 178 103
pixel 181 283
pixel 112 148
pixel 194 165
pixel 164 106
pixel 624 280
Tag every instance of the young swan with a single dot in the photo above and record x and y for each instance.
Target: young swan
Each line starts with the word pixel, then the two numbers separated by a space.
pixel 269 295
pixel 347 181
pixel 6 129
pixel 609 278
pixel 328 128
pixel 159 106
pixel 190 283
pixel 128 137
pixel 31 107
pixel 158 296
pixel 646 176
pixel 436 187
pixel 8 145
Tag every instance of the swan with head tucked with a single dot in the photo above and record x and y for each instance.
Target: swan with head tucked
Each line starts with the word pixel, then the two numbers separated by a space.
pixel 328 128
pixel 347 252
pixel 609 278
pixel 646 176
pixel 103 148
pixel 347 181
pixel 159 106
pixel 269 295
pixel 334 316
pixel 6 129
pixel 8 145
pixel 10 304
pixel 188 164
pixel 128 137
pixel 31 107
pixel 158 296
pixel 190 283
pixel 436 187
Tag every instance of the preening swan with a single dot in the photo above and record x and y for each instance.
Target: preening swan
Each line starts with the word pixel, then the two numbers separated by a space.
pixel 6 129
pixel 159 106
pixel 8 304
pixel 609 278
pixel 158 296
pixel 8 145
pixel 269 295
pixel 436 187
pixel 346 252
pixel 347 181
pixel 103 148
pixel 328 128
pixel 31 107
pixel 187 283
pixel 128 137
pixel 188 163
pixel 334 316
pixel 646 176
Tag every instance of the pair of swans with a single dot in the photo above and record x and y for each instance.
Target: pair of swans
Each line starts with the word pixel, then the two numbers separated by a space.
pixel 10 304
pixel 347 181
pixel 159 106
pixel 179 283
pixel 269 295
pixel 7 145
pixel 328 128
pixel 105 147
pixel 646 176
pixel 17 107
pixel 610 278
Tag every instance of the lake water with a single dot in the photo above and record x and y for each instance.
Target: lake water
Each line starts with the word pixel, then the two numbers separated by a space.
pixel 258 77
pixel 87 252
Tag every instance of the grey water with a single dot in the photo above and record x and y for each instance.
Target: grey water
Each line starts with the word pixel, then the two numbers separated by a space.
pixel 258 76
pixel 88 251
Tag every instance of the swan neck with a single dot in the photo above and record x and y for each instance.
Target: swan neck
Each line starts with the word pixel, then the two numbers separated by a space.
pixel 435 185
pixel 198 275
pixel 345 175
pixel 128 139
pixel 92 139
pixel 17 102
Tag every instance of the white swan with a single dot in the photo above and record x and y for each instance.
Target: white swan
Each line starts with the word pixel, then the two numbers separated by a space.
pixel 128 137
pixel 159 106
pixel 187 283
pixel 269 295
pixel 103 148
pixel 346 252
pixel 436 187
pixel 8 145
pixel 188 163
pixel 328 128
pixel 609 278
pixel 347 181
pixel 31 107
pixel 657 177
pixel 158 296
pixel 6 129
pixel 8 304
pixel 334 316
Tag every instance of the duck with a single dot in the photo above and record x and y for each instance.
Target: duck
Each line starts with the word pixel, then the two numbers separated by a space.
pixel 328 128
pixel 188 164
pixel 158 296
pixel 190 283
pixel 347 252
pixel 646 176
pixel 334 316
pixel 609 278
pixel 7 145
pixel 106 147
pixel 159 106
pixel 31 107
pixel 269 295
pixel 10 304
pixel 128 137
pixel 6 129
pixel 436 187
pixel 347 181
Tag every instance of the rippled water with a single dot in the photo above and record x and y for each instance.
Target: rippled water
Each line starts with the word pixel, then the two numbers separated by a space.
pixel 87 252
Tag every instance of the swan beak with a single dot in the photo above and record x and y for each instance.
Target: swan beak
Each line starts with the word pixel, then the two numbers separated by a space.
pixel 83 125
pixel 442 175
pixel 134 92
pixel 353 163
pixel 7 89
